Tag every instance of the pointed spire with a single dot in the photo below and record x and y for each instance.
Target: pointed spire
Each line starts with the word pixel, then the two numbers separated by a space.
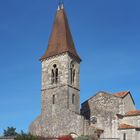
pixel 61 39
pixel 60 5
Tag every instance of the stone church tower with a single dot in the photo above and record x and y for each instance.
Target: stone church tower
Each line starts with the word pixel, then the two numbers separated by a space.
pixel 60 114
pixel 109 116
pixel 60 69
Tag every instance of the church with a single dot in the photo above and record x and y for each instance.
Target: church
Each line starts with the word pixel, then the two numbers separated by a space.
pixel 105 115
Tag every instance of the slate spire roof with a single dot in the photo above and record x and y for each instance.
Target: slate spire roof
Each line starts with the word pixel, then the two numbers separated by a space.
pixel 61 39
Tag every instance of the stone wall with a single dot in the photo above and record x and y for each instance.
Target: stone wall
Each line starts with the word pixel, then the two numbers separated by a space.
pixel 63 90
pixel 104 107
pixel 61 123
pixel 63 62
pixel 131 120
pixel 60 116
pixel 128 103
pixel 131 134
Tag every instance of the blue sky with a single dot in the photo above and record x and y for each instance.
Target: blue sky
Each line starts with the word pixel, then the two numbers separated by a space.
pixel 106 35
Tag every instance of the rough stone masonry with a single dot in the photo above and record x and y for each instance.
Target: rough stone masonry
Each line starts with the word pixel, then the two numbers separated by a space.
pixel 105 115
pixel 60 114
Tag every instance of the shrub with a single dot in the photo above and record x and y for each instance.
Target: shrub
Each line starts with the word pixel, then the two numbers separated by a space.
pixel 10 131
pixel 24 136
pixel 83 138
pixel 87 137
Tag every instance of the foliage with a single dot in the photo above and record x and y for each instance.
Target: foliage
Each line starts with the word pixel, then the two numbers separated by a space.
pixel 24 136
pixel 83 138
pixel 10 131
pixel 94 137
pixel 86 138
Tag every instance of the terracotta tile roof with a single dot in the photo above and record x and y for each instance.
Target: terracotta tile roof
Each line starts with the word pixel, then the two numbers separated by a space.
pixel 127 126
pixel 133 113
pixel 121 94
pixel 61 39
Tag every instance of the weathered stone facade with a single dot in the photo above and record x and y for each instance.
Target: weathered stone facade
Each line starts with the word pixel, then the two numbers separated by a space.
pixel 109 111
pixel 103 107
pixel 63 90
pixel 60 113
pixel 62 117
pixel 130 134
pixel 60 91
pixel 128 104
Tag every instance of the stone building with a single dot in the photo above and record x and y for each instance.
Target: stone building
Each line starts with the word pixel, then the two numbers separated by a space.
pixel 108 115
pixel 115 114
pixel 60 114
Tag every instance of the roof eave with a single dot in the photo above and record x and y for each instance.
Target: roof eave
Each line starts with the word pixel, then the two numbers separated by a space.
pixel 77 58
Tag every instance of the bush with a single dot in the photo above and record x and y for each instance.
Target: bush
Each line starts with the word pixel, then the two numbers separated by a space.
pixel 10 131
pixel 86 138
pixel 24 136
pixel 83 138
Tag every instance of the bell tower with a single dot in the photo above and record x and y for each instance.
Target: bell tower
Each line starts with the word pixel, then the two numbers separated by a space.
pixel 60 69
pixel 60 90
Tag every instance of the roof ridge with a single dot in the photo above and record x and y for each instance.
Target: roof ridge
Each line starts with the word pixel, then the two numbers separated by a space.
pixel 132 113
pixel 127 126
pixel 121 93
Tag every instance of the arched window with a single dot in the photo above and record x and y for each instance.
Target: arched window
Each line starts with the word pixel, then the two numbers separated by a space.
pixel 72 73
pixel 53 99
pixel 73 98
pixel 54 74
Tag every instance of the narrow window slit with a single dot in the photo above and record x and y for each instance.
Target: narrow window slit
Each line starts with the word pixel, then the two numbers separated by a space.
pixel 73 98
pixel 53 99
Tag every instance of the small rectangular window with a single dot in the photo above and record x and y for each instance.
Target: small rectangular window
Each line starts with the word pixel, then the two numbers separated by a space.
pixel 124 136
pixel 53 99
pixel 73 98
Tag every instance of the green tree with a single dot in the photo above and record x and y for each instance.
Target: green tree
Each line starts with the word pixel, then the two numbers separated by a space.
pixel 83 138
pixel 24 136
pixel 87 137
pixel 10 131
